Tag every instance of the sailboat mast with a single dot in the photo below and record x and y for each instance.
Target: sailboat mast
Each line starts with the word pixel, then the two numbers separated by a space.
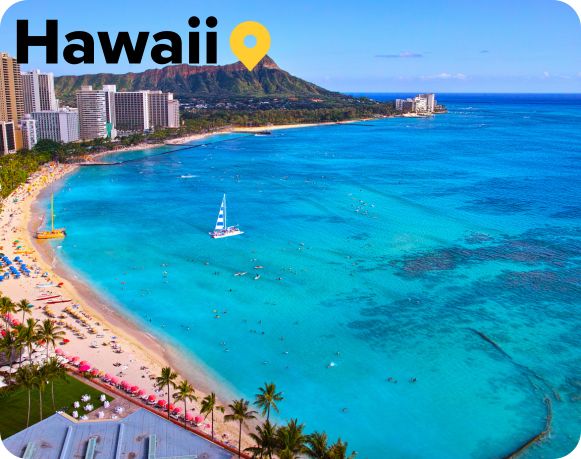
pixel 225 213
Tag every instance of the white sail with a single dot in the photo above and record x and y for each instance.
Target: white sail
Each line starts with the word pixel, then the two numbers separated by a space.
pixel 221 222
pixel 222 229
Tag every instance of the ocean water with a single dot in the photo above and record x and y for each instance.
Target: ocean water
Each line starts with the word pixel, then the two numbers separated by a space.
pixel 445 249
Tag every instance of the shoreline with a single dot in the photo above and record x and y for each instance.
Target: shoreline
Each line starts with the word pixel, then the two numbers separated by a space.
pixel 21 215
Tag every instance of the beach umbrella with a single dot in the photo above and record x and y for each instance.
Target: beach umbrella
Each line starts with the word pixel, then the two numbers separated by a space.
pixel 66 341
pixel 83 368
pixel 171 407
pixel 114 381
pixel 198 419
pixel 108 377
pixel 151 398
pixel 75 359
pixel 189 417
pixel 177 410
pixel 83 362
pixel 134 389
pixel 140 393
pixel 161 403
pixel 94 371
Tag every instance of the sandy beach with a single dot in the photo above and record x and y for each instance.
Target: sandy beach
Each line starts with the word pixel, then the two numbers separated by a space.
pixel 98 332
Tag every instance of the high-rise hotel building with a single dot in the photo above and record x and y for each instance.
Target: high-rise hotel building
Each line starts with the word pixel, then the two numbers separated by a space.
pixel 58 125
pixel 11 104
pixel 164 110
pixel 132 111
pixel 38 91
pixel 124 111
pixel 92 106
pixel 29 133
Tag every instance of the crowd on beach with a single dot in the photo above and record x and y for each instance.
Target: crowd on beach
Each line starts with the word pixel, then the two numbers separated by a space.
pixel 110 349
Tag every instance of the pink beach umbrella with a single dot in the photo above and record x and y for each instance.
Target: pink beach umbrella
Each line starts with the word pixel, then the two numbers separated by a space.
pixel 177 410
pixel 161 403
pixel 140 393
pixel 114 381
pixel 83 368
pixel 171 407
pixel 124 384
pixel 75 359
pixel 198 419
pixel 189 417
pixel 58 351
pixel 94 372
pixel 151 398
pixel 134 389
pixel 83 362
pixel 107 377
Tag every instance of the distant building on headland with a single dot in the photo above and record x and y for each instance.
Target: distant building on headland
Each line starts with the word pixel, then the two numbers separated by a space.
pixel 421 104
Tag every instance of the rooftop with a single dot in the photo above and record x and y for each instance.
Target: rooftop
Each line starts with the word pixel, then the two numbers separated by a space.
pixel 141 435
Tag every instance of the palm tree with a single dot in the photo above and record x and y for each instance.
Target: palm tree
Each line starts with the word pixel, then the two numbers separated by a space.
pixel 265 439
pixel 339 451
pixel 185 393
pixel 317 447
pixel 239 412
pixel 6 307
pixel 54 371
pixel 9 344
pixel 266 399
pixel 23 306
pixel 208 407
pixel 166 379
pixel 27 335
pixel 50 333
pixel 26 378
pixel 40 375
pixel 291 440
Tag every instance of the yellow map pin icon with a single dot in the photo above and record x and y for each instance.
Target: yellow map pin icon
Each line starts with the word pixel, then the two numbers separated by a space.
pixel 250 56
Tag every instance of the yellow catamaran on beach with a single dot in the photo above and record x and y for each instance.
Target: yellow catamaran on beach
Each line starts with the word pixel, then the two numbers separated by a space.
pixel 57 233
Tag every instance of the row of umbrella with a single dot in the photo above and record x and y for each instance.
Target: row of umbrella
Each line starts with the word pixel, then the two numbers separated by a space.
pixel 134 390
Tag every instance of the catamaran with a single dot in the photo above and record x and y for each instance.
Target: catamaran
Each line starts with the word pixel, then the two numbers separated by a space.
pixel 57 233
pixel 222 230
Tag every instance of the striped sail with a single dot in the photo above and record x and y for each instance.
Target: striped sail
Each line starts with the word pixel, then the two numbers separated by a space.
pixel 221 222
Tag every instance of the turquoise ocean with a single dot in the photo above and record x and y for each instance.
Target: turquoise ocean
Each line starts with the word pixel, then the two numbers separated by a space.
pixel 444 249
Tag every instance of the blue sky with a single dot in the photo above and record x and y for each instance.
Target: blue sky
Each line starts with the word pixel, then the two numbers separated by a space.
pixel 365 45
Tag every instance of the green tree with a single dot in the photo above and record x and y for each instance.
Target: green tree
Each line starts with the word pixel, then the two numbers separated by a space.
pixel 239 412
pixel 317 445
pixel 209 405
pixel 6 307
pixel 27 334
pixel 40 381
pixel 26 378
pixel 266 399
pixel 291 440
pixel 166 379
pixel 8 345
pixel 25 307
pixel 54 371
pixel 49 332
pixel 339 451
pixel 185 393
pixel 265 440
